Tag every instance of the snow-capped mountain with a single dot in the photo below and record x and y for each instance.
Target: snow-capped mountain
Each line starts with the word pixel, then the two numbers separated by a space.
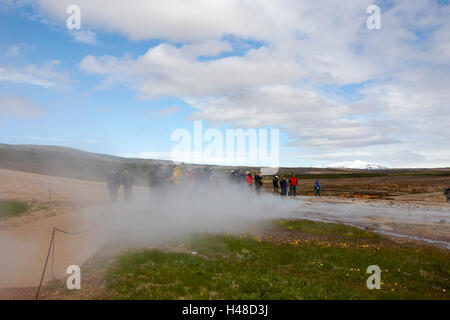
pixel 357 164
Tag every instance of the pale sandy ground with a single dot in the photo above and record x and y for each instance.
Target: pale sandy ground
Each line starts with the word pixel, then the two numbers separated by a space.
pixel 24 243
pixel 18 185
pixel 23 249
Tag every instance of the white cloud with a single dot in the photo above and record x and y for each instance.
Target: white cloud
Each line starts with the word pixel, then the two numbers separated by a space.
pixel 44 76
pixel 168 70
pixel 92 140
pixel 15 106
pixel 294 80
pixel 165 111
pixel 52 139
pixel 207 49
pixel 177 20
pixel 13 50
pixel 17 49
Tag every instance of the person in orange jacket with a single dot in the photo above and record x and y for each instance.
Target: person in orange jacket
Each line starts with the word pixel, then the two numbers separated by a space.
pixel 176 176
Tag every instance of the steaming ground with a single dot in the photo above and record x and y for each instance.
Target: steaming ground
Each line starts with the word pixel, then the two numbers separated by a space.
pixel 151 219
pixel 147 220
pixel 230 209
pixel 179 212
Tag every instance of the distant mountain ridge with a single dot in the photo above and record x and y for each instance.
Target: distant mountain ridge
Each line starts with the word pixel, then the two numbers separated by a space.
pixel 79 164
pixel 357 164
pixel 68 162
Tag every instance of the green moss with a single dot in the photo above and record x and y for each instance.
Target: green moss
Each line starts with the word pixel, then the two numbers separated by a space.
pixel 9 209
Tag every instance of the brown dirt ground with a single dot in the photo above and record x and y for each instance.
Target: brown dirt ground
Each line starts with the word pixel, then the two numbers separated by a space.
pixel 16 185
pixel 401 188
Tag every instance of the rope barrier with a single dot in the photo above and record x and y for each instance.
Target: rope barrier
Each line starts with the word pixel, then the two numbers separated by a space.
pixel 45 266
pixel 52 246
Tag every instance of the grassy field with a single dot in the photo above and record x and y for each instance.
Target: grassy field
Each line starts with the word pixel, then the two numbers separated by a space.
pixel 289 260
pixel 9 209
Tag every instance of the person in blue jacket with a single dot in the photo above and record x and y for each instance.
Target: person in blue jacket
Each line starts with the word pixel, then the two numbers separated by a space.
pixel 283 185
pixel 317 188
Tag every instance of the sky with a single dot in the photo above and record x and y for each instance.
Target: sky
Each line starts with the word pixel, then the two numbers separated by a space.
pixel 137 71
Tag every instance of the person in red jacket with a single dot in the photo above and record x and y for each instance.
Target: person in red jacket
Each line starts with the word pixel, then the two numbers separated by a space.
pixel 293 185
pixel 249 179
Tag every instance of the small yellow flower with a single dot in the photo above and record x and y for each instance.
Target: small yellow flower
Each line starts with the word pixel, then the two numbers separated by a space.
pixel 444 290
